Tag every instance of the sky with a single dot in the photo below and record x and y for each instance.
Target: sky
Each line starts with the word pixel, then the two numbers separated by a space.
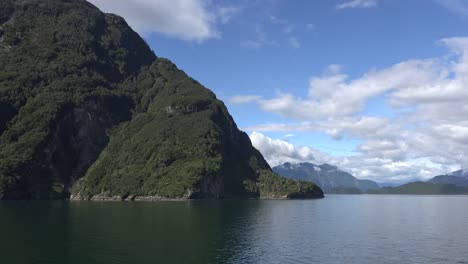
pixel 378 88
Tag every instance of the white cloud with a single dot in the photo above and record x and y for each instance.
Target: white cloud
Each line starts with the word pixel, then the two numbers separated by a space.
pixel 357 4
pixel 243 99
pixel 190 20
pixel 277 152
pixel 226 13
pixel 253 44
pixel 288 29
pixel 355 127
pixel 277 25
pixel 277 20
pixel 459 7
pixel 259 41
pixel 310 26
pixel 335 95
pixel 428 104
pixel 294 42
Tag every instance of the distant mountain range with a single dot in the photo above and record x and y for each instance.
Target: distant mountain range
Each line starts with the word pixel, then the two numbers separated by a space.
pixel 330 178
pixel 458 178
pixel 422 188
pixel 453 183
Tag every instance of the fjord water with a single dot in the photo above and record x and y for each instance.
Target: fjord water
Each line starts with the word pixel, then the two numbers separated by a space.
pixel 337 229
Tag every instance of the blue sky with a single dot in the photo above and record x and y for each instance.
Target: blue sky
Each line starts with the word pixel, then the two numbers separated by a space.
pixel 277 62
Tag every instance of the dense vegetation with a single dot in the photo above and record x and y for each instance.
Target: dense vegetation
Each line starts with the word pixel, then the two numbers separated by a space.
pixel 275 186
pixel 87 109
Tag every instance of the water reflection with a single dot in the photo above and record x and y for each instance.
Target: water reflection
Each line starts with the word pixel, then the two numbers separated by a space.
pixel 338 229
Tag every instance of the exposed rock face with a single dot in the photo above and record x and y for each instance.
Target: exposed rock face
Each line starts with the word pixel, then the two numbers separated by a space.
pixel 78 139
pixel 89 112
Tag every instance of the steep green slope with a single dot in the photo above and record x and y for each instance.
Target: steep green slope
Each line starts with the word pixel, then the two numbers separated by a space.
pixel 86 106
pixel 60 62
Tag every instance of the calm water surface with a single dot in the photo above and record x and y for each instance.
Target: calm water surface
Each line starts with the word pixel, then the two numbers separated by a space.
pixel 337 229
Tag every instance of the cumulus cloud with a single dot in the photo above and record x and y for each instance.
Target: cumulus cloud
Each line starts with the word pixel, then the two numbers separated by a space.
pixel 357 4
pixel 335 95
pixel 277 152
pixel 190 20
pixel 294 42
pixel 243 99
pixel 427 124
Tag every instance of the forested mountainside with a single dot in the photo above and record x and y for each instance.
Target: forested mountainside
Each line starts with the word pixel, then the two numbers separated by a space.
pixel 88 111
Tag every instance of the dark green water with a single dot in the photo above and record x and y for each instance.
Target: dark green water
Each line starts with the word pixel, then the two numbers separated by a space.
pixel 337 229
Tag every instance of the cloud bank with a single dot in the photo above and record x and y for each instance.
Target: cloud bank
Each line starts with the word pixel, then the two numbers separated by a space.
pixel 425 127
pixel 382 170
pixel 190 20
pixel 357 4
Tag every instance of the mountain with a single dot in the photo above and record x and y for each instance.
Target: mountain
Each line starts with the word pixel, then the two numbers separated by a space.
pixel 388 184
pixel 88 111
pixel 453 183
pixel 422 188
pixel 328 177
pixel 457 178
